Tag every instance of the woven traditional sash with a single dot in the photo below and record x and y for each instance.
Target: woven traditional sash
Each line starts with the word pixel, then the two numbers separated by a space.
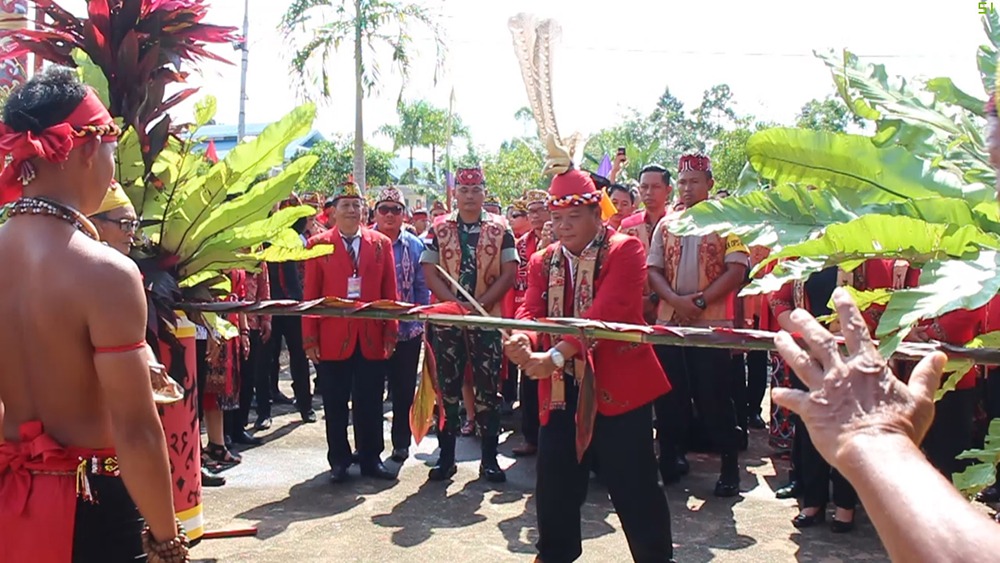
pixel 584 270
pixel 487 253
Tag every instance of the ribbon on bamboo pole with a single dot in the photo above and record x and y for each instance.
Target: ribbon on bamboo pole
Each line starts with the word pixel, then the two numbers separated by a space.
pixel 453 314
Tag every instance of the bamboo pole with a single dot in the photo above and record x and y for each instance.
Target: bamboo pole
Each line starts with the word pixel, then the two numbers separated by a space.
pixel 732 339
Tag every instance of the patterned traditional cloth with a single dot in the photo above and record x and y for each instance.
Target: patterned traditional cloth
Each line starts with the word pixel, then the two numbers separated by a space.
pixel 471 252
pixel 411 286
pixel 781 430
pixel 258 288
pixel 691 264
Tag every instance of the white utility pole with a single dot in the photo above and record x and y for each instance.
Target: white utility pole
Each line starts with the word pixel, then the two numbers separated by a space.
pixel 245 47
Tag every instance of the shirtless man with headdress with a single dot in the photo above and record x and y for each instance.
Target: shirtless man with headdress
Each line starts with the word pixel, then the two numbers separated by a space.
pixel 83 459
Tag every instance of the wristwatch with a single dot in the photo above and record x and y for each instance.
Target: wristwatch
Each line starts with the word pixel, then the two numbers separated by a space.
pixel 557 358
pixel 700 303
pixel 654 298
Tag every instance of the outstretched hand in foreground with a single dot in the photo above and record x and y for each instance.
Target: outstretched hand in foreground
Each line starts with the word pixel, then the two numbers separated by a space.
pixel 856 395
pixel 868 425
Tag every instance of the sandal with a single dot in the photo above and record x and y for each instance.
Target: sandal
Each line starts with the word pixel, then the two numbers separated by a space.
pixel 469 428
pixel 221 455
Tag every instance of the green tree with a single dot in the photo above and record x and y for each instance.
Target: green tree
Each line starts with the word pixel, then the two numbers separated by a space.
pixel 336 163
pixel 371 26
pixel 830 114
pixel 514 169
pixel 410 132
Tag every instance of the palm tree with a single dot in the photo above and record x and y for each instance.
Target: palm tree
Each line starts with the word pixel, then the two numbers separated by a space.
pixel 411 131
pixel 370 25
pixel 440 129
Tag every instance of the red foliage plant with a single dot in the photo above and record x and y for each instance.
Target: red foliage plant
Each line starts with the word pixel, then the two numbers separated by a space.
pixel 141 45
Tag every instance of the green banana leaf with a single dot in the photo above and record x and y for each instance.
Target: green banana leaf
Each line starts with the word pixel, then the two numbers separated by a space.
pixel 826 159
pixel 863 299
pixel 251 261
pixel 986 57
pixel 790 214
pixel 191 202
pixel 91 75
pixel 945 286
pixel 977 477
pixel 253 205
pixel 877 235
pixel 945 91
pixel 956 369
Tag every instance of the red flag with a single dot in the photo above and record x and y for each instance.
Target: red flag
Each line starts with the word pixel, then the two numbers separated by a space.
pixel 210 153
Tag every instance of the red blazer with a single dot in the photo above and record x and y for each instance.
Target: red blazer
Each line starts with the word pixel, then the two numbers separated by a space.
pixel 628 375
pixel 327 277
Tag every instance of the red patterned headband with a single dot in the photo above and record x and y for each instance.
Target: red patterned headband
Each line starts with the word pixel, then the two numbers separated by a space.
pixel 574 200
pixel 470 177
pixel 695 162
pixel 89 119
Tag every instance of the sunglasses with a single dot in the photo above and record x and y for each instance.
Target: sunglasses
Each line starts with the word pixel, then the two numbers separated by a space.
pixel 390 210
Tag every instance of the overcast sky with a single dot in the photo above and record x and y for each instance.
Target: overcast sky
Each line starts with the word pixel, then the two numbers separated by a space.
pixel 616 55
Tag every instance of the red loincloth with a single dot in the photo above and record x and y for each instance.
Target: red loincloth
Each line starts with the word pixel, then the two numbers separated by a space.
pixel 38 495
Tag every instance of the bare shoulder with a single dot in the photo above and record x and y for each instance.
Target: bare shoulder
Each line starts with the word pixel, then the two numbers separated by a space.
pixel 107 278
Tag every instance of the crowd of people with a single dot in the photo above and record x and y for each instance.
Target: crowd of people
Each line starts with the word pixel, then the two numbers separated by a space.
pixel 628 412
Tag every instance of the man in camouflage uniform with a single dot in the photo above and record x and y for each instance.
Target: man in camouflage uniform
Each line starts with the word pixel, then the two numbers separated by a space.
pixel 477 250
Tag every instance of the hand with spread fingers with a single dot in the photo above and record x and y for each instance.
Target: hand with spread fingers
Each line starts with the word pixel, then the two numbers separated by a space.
pixel 854 395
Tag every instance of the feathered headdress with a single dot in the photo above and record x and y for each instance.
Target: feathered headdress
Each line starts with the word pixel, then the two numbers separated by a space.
pixel 533 46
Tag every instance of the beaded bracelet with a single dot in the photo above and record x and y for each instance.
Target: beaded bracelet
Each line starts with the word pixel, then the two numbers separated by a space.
pixel 174 550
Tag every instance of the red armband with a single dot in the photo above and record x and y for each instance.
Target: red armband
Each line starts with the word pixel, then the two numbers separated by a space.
pixel 120 349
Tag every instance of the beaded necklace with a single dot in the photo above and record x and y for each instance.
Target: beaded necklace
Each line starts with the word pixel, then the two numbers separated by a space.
pixel 46 206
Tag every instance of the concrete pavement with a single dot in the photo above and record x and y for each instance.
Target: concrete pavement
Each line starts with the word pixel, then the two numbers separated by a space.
pixel 282 488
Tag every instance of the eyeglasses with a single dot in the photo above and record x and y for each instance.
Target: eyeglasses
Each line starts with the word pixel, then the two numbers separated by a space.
pixel 128 226
pixel 390 210
pixel 518 215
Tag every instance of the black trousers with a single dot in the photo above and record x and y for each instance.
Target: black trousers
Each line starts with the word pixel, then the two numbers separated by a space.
pixel 529 409
pixel 401 370
pixel 741 400
pixel 757 365
pixel 951 432
pixel 256 381
pixel 701 379
pixel 508 389
pixel 290 329
pixel 111 529
pixel 817 475
pixel 361 381
pixel 624 444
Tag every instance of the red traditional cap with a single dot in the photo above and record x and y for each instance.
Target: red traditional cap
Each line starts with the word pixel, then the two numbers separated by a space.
pixel 438 206
pixel 572 188
pixel 390 195
pixel 695 162
pixel 419 211
pixel 470 177
pixel 89 119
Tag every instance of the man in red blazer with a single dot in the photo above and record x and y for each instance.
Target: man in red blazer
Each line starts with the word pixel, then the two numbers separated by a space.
pixel 597 399
pixel 351 354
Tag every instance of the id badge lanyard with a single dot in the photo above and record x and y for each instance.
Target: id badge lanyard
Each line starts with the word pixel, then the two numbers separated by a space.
pixel 354 282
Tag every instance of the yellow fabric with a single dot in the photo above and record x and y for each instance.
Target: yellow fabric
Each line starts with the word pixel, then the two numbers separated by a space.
pixel 608 208
pixel 114 199
pixel 734 244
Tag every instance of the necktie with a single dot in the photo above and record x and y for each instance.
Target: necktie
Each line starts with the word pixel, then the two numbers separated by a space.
pixel 349 242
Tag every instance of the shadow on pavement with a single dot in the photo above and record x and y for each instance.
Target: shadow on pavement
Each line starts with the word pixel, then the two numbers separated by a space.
pixel 432 508
pixel 311 500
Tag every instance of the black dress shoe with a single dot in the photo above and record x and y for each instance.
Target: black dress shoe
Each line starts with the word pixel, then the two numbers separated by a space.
pixel 683 468
pixel 790 490
pixel 208 479
pixel 229 441
pixel 377 471
pixel 989 494
pixel 839 527
pixel 263 424
pixel 757 423
pixel 726 489
pixel 399 455
pixel 241 437
pixel 338 474
pixel 804 521
pixel 281 399
pixel 442 472
pixel 309 416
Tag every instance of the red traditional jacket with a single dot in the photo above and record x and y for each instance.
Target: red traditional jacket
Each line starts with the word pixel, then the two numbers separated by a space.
pixel 873 274
pixel 527 245
pixel 327 277
pixel 627 374
pixel 957 327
